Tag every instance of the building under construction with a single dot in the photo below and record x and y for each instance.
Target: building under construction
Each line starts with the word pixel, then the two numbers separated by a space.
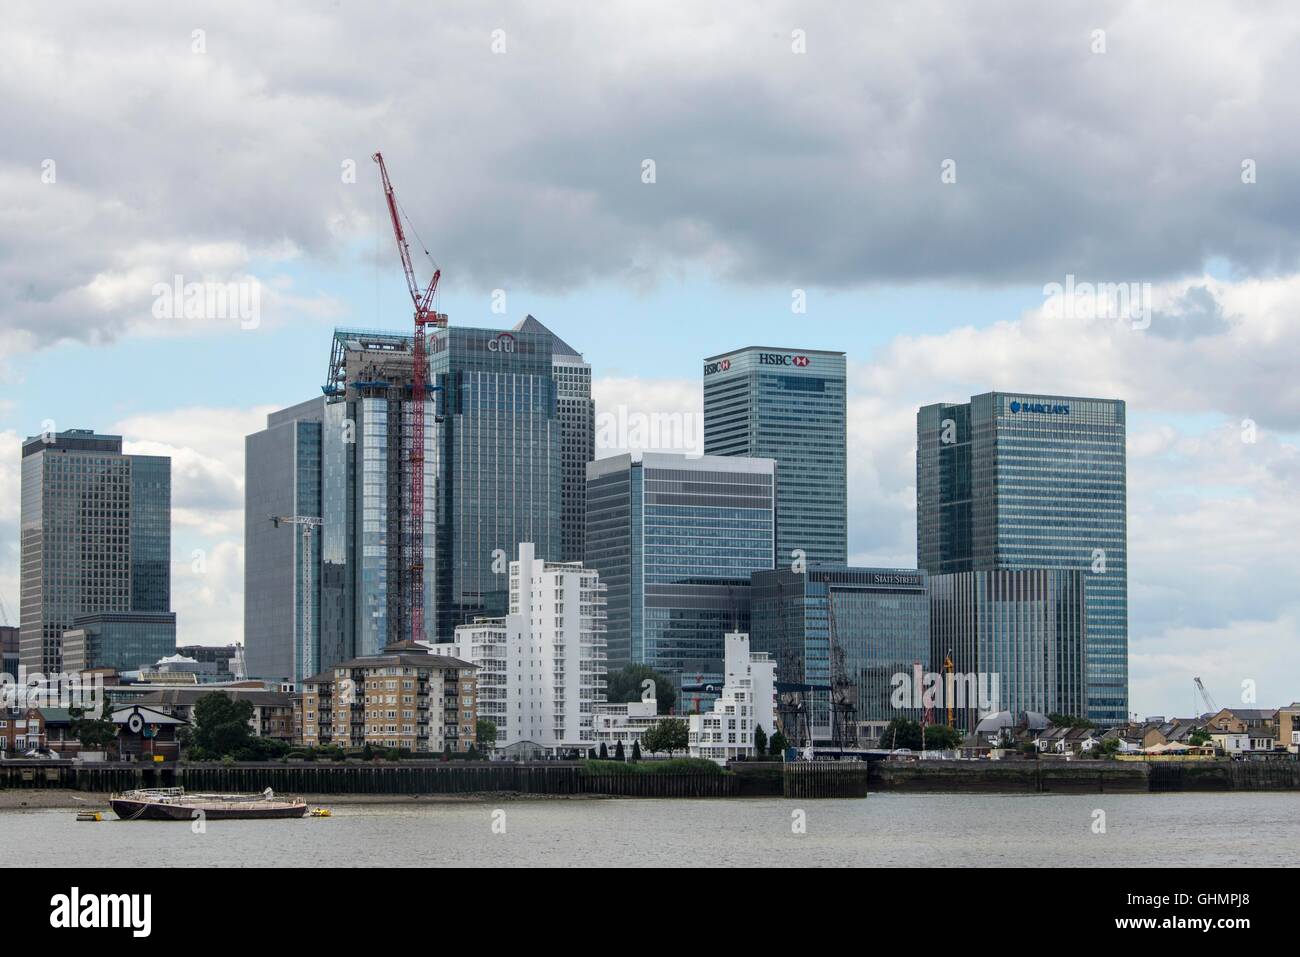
pixel 496 437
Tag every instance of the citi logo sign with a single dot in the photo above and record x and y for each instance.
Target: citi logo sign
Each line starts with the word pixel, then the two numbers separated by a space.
pixel 502 343
pixel 780 359
pixel 75 910
pixel 1042 408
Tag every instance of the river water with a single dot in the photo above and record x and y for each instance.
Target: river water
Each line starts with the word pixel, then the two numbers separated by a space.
pixel 1238 829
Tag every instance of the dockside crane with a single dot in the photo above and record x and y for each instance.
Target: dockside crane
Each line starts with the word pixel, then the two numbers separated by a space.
pixel 425 315
pixel 1205 696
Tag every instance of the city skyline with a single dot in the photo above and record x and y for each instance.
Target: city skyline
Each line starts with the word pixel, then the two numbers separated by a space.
pixel 946 295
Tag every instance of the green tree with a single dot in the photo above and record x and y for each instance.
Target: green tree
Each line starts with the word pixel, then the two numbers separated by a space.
pixel 777 745
pixel 901 733
pixel 221 726
pixel 604 752
pixel 636 749
pixel 1199 738
pixel 95 734
pixel 619 754
pixel 485 733
pixel 940 737
pixel 1069 721
pixel 625 685
pixel 667 734
pixel 760 740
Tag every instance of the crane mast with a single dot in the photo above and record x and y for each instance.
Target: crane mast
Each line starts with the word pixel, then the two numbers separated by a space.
pixel 413 521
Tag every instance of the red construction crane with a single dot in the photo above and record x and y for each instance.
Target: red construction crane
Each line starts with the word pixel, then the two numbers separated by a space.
pixel 413 525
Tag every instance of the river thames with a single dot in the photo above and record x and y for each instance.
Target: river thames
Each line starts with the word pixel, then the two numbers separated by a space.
pixel 953 830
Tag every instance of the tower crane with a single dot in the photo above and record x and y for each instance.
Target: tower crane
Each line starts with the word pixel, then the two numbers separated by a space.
pixel 306 523
pixel 413 517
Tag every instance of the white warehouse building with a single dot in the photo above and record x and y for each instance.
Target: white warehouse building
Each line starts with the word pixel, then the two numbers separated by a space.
pixel 542 667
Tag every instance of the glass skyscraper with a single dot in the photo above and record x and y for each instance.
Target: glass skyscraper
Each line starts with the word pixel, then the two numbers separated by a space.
pixel 494 454
pixel 1026 627
pixel 577 414
pixel 675 539
pixel 882 628
pixel 1022 481
pixel 95 537
pixel 788 405
pixel 497 464
pixel 282 478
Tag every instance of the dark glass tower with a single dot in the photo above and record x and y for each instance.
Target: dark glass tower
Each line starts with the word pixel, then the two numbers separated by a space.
pixel 95 537
pixel 882 626
pixel 788 405
pixel 1021 481
pixel 675 539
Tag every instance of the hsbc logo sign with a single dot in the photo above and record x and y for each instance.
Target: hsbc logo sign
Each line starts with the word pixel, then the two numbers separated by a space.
pixel 722 365
pixel 781 359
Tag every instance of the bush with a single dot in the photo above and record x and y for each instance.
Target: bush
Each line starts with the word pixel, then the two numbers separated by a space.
pixel 607 767
pixel 676 766
pixel 680 766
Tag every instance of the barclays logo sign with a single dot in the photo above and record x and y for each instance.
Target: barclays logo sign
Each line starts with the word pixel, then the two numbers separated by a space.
pixel 1042 408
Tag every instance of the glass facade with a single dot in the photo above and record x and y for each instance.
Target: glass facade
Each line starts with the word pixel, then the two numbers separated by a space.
pixel 1023 481
pixel 675 540
pixel 497 465
pixel 788 405
pixel 123 641
pixel 95 534
pixel 1026 627
pixel 881 622
pixel 577 415
pixel 282 478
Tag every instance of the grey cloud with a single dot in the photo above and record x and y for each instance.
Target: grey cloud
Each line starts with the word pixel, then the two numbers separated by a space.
pixel 815 169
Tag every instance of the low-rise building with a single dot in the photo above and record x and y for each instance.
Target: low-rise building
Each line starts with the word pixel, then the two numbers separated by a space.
pixel 21 730
pixel 1288 727
pixel 624 722
pixel 404 698
pixel 747 702
pixel 272 710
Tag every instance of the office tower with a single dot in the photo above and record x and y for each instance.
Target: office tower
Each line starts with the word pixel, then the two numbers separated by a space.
pixel 282 479
pixel 95 537
pixel 497 464
pixel 577 414
pixel 1026 627
pixel 9 650
pixel 788 405
pixel 1015 481
pixel 120 640
pixel 541 668
pixel 881 621
pixel 675 540
pixel 492 451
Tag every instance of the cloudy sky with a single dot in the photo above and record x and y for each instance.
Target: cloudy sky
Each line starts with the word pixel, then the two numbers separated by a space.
pixel 659 183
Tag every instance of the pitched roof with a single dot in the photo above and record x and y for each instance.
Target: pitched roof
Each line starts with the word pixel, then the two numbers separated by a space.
pixel 558 345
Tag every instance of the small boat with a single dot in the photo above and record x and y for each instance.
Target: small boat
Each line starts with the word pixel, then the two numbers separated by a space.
pixel 89 816
pixel 174 804
pixel 320 812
